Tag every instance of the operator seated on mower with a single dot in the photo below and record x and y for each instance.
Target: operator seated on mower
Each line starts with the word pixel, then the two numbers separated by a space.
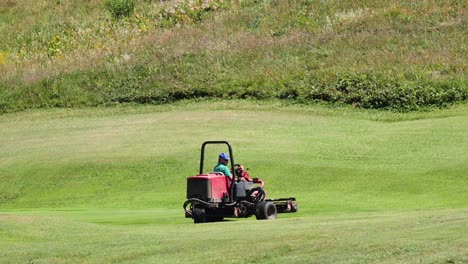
pixel 222 167
pixel 240 172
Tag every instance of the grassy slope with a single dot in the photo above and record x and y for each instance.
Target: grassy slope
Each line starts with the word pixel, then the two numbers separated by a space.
pixel 369 191
pixel 141 160
pixel 68 54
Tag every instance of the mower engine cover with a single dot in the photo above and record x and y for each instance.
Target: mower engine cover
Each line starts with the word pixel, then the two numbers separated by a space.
pixel 211 187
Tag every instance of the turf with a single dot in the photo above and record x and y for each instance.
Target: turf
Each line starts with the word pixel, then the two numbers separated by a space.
pixel 162 236
pixel 106 184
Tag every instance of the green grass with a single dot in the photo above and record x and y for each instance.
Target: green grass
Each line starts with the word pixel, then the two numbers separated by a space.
pixel 160 236
pixel 128 159
pixel 107 184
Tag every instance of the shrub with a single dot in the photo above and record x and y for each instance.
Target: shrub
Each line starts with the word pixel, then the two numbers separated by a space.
pixel 377 92
pixel 120 8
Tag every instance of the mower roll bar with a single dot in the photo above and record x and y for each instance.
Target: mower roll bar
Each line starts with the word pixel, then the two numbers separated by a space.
pixel 231 156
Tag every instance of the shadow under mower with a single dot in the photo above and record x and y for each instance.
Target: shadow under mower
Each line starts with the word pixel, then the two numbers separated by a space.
pixel 213 196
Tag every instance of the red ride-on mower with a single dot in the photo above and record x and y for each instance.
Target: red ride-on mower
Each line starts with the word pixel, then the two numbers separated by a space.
pixel 213 196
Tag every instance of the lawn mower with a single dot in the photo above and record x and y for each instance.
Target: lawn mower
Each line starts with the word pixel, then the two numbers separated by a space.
pixel 213 196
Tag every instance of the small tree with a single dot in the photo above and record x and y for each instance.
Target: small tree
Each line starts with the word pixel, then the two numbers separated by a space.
pixel 120 8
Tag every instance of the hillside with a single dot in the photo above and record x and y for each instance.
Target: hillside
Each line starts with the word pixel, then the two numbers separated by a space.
pixel 401 55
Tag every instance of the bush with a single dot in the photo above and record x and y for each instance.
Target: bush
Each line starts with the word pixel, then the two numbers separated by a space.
pixel 377 92
pixel 120 8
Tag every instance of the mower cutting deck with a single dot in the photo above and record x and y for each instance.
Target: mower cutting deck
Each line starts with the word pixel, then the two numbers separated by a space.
pixel 213 196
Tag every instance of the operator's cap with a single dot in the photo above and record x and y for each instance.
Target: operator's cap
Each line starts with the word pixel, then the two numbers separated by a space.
pixel 224 156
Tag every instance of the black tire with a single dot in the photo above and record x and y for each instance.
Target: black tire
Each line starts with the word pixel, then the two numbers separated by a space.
pixel 266 211
pixel 199 215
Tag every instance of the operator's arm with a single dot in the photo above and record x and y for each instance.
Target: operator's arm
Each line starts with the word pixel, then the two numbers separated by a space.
pixel 226 171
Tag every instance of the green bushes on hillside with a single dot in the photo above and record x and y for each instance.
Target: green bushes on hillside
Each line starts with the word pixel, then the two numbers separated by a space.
pixel 138 86
pixel 120 8
pixel 368 91
pixel 360 90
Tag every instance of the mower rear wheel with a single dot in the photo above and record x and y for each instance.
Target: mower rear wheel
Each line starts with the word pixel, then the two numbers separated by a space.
pixel 266 211
pixel 199 215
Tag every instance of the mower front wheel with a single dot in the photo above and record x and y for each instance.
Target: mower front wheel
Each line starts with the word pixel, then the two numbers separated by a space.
pixel 266 211
pixel 199 215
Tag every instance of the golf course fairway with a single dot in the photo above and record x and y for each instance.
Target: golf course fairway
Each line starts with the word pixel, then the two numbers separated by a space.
pixel 107 184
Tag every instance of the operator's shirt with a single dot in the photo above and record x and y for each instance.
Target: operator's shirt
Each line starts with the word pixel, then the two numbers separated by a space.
pixel 222 168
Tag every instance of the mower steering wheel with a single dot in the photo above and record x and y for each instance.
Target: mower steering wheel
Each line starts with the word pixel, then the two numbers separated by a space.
pixel 238 170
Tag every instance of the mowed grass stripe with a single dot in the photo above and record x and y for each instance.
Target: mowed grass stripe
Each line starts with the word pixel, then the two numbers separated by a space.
pixel 390 237
pixel 141 160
